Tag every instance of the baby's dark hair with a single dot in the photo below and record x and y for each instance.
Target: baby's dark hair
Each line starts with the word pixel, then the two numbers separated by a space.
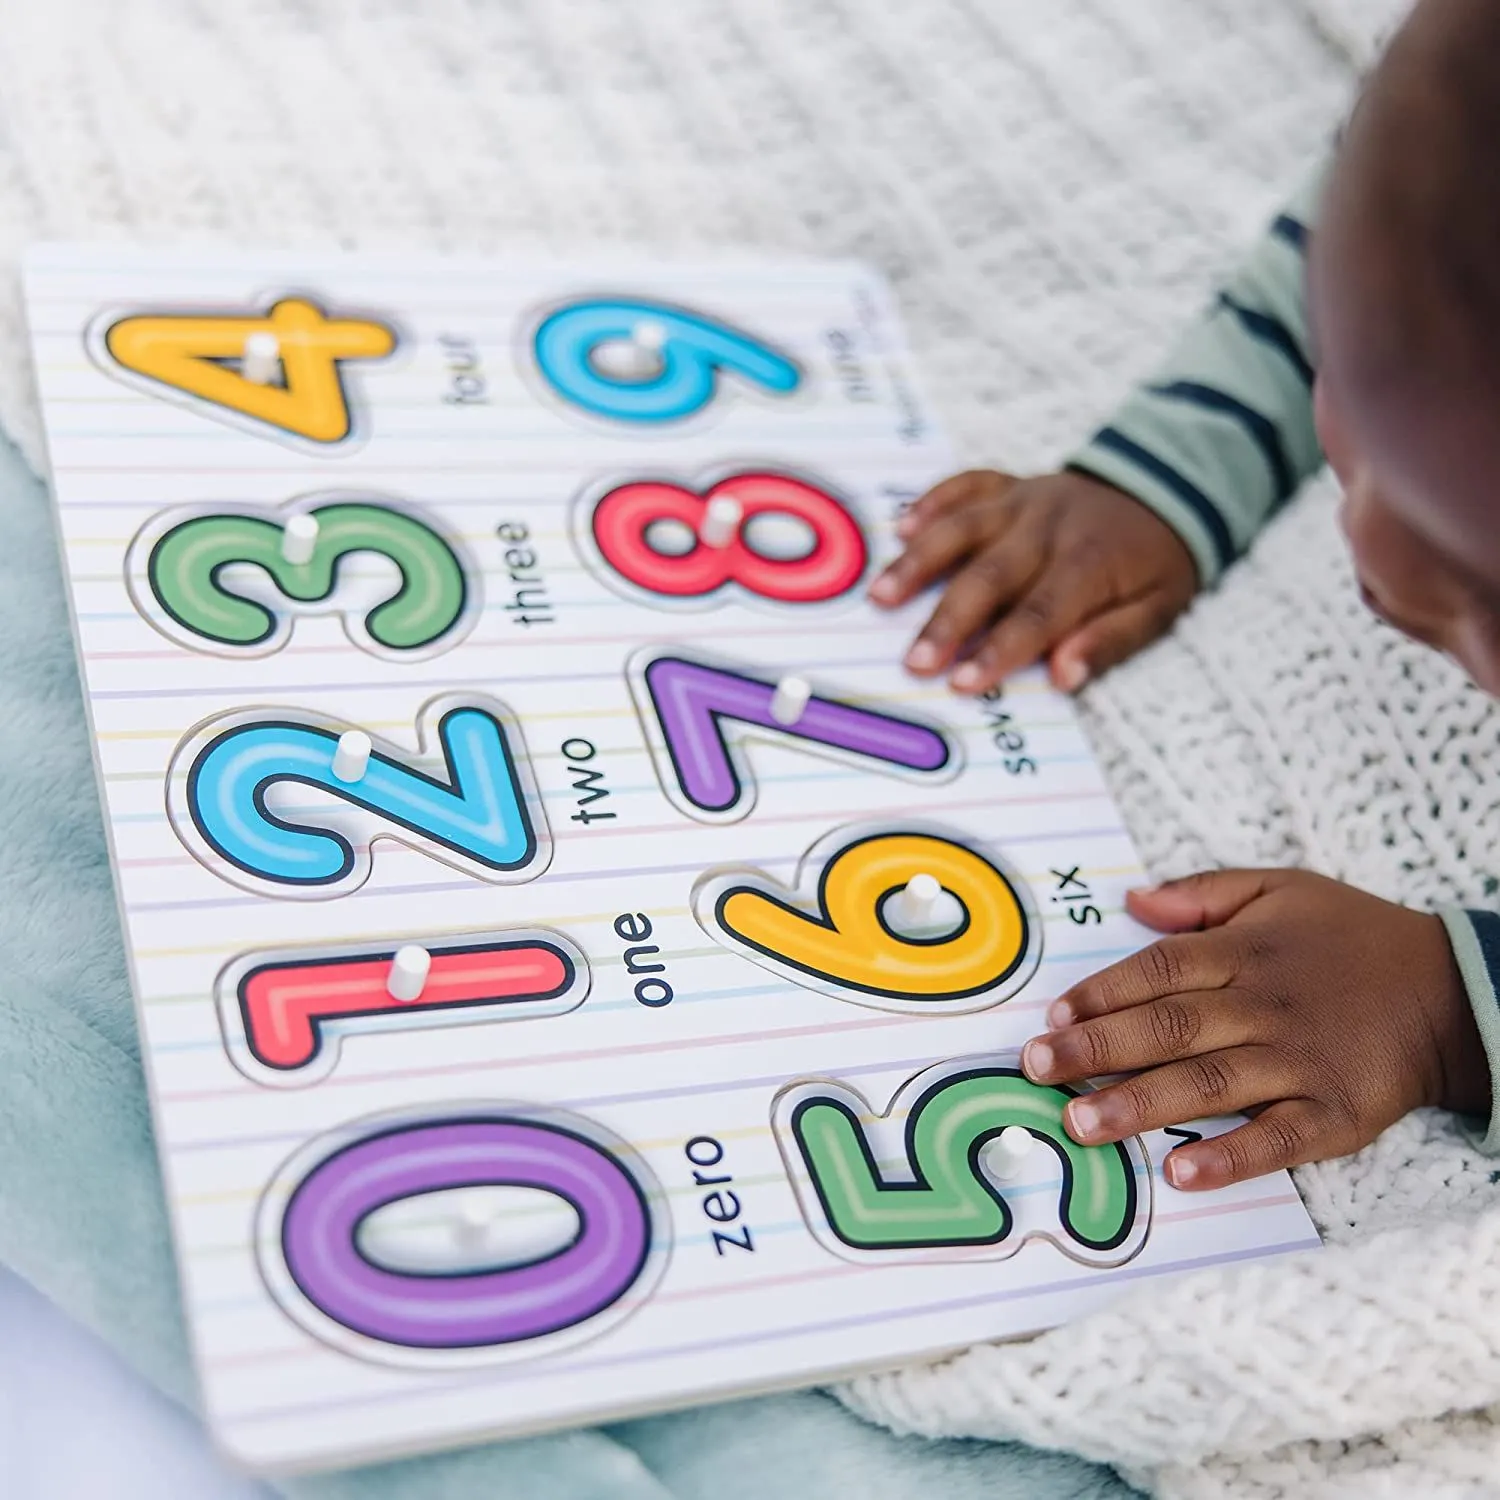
pixel 1418 179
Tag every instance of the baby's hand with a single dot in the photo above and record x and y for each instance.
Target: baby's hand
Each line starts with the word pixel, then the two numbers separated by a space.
pixel 1324 1012
pixel 1062 566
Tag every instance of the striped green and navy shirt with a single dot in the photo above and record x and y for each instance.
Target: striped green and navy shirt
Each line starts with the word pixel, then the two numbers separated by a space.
pixel 1222 436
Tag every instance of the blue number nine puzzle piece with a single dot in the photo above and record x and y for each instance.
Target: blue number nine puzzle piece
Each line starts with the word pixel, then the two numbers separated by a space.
pixel 693 349
pixel 479 814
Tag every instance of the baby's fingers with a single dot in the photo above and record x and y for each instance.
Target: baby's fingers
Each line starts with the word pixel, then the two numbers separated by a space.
pixel 982 588
pixel 1073 588
pixel 979 485
pixel 1110 638
pixel 934 551
pixel 1287 1134
pixel 1174 965
pixel 1218 1083
pixel 937 547
pixel 1143 1036
pixel 1210 899
pixel 1028 628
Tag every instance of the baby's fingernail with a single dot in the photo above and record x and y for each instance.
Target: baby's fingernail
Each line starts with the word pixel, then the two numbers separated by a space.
pixel 1059 1014
pixel 1083 1118
pixel 967 678
pixel 905 525
pixel 1071 675
pixel 1036 1060
pixel 885 589
pixel 1180 1169
pixel 1143 890
pixel 923 657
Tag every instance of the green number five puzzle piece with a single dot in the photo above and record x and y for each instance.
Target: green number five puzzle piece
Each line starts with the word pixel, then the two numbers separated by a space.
pixel 943 1197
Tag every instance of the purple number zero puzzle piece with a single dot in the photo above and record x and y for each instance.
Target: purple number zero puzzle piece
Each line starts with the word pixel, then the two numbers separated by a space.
pixel 471 1309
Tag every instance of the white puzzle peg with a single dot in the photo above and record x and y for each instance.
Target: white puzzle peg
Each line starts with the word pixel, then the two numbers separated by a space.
pixel 789 702
pixel 472 1220
pixel 351 756
pixel 409 970
pixel 261 361
pixel 923 910
pixel 625 359
pixel 919 900
pixel 638 358
pixel 721 521
pixel 299 539
pixel 649 335
pixel 1008 1152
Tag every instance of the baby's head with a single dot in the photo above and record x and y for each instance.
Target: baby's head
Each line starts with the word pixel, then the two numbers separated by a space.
pixel 1405 305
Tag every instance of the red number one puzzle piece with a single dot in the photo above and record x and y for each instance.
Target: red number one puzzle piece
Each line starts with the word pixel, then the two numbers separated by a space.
pixel 286 1006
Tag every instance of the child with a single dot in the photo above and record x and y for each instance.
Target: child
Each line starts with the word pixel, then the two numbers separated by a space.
pixel 1324 1012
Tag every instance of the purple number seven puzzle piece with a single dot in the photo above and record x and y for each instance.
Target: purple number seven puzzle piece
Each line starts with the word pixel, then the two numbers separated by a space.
pixel 691 698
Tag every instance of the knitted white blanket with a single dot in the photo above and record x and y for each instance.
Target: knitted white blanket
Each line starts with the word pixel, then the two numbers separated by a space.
pixel 1052 187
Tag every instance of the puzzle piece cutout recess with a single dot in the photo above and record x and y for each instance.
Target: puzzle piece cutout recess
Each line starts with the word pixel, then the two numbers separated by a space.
pixel 837 930
pixel 472 804
pixel 204 356
pixel 915 1182
pixel 225 579
pixel 700 712
pixel 284 1011
pixel 318 1264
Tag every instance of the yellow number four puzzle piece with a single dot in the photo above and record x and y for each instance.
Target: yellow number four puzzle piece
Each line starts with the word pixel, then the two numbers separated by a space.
pixel 205 355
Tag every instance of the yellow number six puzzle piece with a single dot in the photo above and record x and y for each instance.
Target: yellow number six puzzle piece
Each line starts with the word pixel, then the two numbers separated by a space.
pixel 833 932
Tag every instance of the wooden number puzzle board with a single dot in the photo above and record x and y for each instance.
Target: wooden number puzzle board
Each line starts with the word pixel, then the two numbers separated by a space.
pixel 694 1098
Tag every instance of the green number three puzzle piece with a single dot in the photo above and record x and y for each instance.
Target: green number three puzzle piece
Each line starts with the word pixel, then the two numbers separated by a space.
pixel 951 1202
pixel 184 564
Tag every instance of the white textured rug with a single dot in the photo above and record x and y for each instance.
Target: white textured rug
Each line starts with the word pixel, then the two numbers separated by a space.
pixel 1052 188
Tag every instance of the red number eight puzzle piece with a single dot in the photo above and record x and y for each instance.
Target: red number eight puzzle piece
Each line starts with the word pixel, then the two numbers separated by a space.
pixel 832 567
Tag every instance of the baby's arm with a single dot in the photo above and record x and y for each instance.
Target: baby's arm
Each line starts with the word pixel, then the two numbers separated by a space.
pixel 1086 566
pixel 1223 432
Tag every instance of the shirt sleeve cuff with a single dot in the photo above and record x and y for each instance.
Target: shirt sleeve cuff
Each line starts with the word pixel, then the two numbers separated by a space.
pixel 1475 936
pixel 1118 460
